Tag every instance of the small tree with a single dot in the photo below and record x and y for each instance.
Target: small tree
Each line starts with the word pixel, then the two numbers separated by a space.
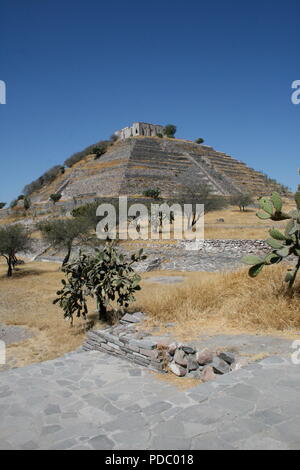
pixel 13 203
pixel 113 138
pixel 152 192
pixel 107 276
pixel 55 197
pixel 282 244
pixel 170 130
pixel 241 200
pixel 199 141
pixel 64 232
pixel 27 203
pixel 2 204
pixel 13 239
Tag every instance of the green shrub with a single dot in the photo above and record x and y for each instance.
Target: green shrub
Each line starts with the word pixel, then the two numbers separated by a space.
pixel 107 276
pixel 152 192
pixel 241 200
pixel 170 130
pixel 55 197
pixel 2 204
pixel 63 233
pixel 13 239
pixel 199 141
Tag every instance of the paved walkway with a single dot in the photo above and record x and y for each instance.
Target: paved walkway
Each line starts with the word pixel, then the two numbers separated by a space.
pixel 90 400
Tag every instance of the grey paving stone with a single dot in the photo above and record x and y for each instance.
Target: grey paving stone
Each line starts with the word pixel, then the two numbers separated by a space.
pixel 157 407
pixel 101 442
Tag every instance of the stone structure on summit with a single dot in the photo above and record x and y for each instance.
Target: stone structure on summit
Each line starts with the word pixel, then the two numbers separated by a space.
pixel 140 128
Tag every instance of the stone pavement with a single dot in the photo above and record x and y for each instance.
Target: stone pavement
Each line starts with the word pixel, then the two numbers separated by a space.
pixel 88 400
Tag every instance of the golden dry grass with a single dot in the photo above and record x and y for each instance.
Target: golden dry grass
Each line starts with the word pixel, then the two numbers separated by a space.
pixel 26 299
pixel 217 302
pixel 205 303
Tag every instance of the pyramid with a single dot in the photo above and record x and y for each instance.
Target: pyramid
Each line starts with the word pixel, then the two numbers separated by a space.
pixel 133 165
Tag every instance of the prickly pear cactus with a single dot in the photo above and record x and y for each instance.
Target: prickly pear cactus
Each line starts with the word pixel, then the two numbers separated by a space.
pixel 282 244
pixel 107 276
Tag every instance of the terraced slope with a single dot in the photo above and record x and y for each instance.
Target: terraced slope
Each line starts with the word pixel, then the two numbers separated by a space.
pixel 131 166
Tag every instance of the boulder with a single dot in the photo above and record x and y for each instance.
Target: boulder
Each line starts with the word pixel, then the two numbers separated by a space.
pixel 207 374
pixel 204 357
pixel 180 357
pixel 177 369
pixel 188 349
pixel 192 363
pixel 227 357
pixel 219 366
pixel 172 348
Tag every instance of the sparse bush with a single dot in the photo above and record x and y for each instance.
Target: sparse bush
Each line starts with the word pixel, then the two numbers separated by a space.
pixel 2 204
pixel 107 276
pixel 170 130
pixel 13 203
pixel 160 135
pixel 46 178
pixel 241 200
pixel 100 149
pixel 78 156
pixel 113 138
pixel 282 244
pixel 152 192
pixel 63 233
pixel 27 203
pixel 55 197
pixel 13 239
pixel 199 141
pixel 20 197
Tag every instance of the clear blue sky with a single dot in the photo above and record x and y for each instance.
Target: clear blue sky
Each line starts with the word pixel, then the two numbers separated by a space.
pixel 77 70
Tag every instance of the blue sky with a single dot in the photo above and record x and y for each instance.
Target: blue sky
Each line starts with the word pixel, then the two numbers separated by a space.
pixel 78 70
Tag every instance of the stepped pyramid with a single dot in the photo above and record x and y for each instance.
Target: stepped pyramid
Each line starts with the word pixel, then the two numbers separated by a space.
pixel 132 165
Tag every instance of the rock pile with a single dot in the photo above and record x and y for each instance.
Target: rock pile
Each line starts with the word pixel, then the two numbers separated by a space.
pixel 185 361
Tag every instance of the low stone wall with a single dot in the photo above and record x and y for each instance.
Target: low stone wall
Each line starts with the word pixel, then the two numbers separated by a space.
pixel 155 352
pixel 124 340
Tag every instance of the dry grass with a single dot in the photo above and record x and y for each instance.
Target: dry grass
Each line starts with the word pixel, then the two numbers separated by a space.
pixel 218 302
pixel 26 299
pixel 205 303
pixel 239 225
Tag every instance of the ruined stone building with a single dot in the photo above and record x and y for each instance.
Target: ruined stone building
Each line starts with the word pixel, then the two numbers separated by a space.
pixel 140 128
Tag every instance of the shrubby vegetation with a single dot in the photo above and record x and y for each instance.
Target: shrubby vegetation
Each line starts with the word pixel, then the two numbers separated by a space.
pixel 55 197
pixel 2 204
pixel 63 233
pixel 199 141
pixel 46 178
pixel 107 276
pixel 282 244
pixel 242 200
pixel 170 130
pixel 152 192
pixel 13 239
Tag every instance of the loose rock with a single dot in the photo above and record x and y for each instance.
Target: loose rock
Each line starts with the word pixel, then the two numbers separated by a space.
pixel 208 374
pixel 204 357
pixel 177 370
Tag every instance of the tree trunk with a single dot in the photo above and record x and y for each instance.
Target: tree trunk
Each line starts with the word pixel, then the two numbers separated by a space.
pixel 102 311
pixel 67 257
pixel 9 266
